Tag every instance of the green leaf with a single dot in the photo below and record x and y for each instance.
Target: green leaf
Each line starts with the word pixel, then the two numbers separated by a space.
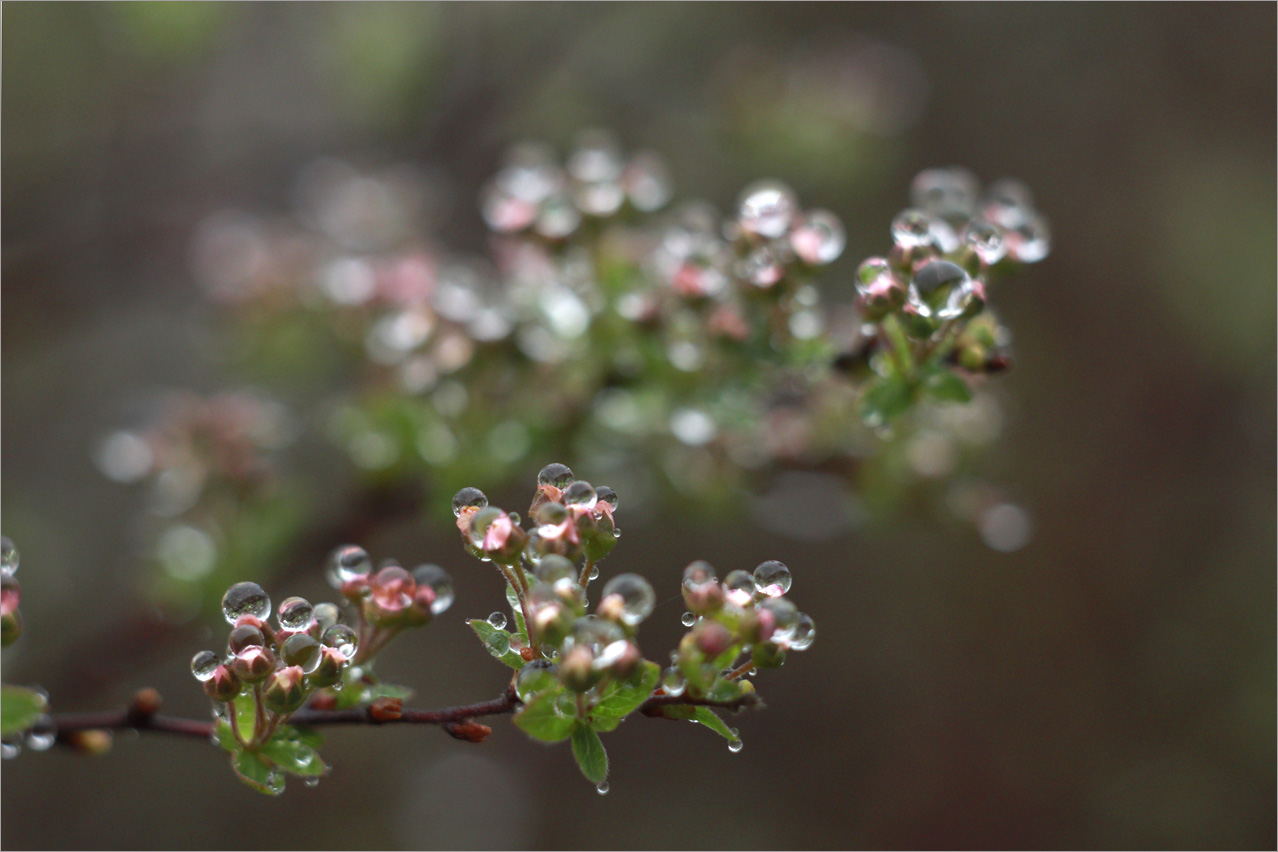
pixel 604 724
pixel 542 720
pixel 309 736
pixel 622 699
pixel 711 720
pixel 944 385
pixel 225 737
pixel 513 600
pixel 257 773
pixel 590 753
pixel 292 755
pixel 885 400
pixel 19 708
pixel 490 635
pixel 676 711
pixel 245 709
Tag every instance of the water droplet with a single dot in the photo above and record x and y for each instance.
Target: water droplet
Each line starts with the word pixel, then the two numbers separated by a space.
pixel 580 495
pixel 468 498
pixel 10 750
pixel 772 578
pixel 312 782
pixel 1030 241
pixel 594 573
pixel 740 587
pixel 275 781
pixel 439 582
pixel 604 494
pixel 498 620
pixel 9 557
pixel 204 664
pixel 596 157
pixel 245 599
pixel 819 238
pixel 342 637
pixel 647 182
pixel 498 643
pixel 557 217
pixel 534 677
pixel 763 266
pixel 42 733
pixel 558 475
pixel 783 615
pixel 637 598
pixel 753 671
pixel 296 614
pixel 602 788
pixel 616 532
pixel 673 681
pixel 986 239
pixel 326 615
pixel 688 619
pixel 346 563
pixel 804 633
pixel 302 650
pixel 950 193
pixel 767 208
pixel 735 746
pixel 693 427
pixel 942 290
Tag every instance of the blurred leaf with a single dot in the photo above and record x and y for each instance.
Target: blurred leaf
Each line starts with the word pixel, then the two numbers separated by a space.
pixel 590 753
pixel 19 708
pixel 541 719
pixel 257 773
pixel 487 633
pixel 225 737
pixel 885 399
pixel 944 385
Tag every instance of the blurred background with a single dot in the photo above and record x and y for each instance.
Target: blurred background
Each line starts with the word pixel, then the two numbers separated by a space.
pixel 1111 684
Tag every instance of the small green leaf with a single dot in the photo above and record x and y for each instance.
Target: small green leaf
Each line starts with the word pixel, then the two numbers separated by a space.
pixel 19 708
pixel 711 720
pixel 885 400
pixel 292 755
pixel 513 600
pixel 944 385
pixel 542 720
pixel 604 724
pixel 590 753
pixel 309 736
pixel 622 699
pixel 676 711
pixel 493 638
pixel 225 737
pixel 257 773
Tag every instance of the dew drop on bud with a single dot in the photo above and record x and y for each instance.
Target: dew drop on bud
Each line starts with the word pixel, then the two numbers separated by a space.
pixel 941 290
pixel 688 619
pixel 346 563
pixel 498 643
pixel 767 208
pixel 468 498
pixel 498 620
pixel 819 238
pixel 296 614
pixel 558 475
pixel 740 587
pixel 245 599
pixel 772 578
pixel 912 228
pixel 42 733
pixel 244 636
pixel 636 594
pixel 804 633
pixel 986 239
pixel 602 788
pixel 341 637
pixel 604 494
pixel 326 615
pixel 580 495
pixel 204 664
pixel 8 557
pixel 439 582
pixel 302 650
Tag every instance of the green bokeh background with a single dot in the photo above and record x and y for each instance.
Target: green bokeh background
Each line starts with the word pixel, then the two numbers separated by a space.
pixel 1110 685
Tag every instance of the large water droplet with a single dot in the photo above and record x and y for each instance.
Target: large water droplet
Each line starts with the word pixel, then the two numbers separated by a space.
pixel 342 637
pixel 296 614
pixel 673 682
pixel 819 238
pixel 580 495
pixel 941 290
pixel 346 563
pixel 740 587
pixel 468 498
pixel 498 620
pixel 986 239
pixel 245 599
pixel 303 650
pixel 804 633
pixel 9 557
pixel 772 578
pixel 636 595
pixel 439 582
pixel 912 228
pixel 604 494
pixel 326 615
pixel 498 643
pixel 244 636
pixel 534 677
pixel 767 208
pixel 204 664
pixel 558 475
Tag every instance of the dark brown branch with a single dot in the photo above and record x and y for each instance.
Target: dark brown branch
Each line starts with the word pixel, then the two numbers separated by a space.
pixel 140 716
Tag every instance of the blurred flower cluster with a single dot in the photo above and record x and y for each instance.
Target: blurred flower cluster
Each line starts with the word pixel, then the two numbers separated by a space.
pixel 26 722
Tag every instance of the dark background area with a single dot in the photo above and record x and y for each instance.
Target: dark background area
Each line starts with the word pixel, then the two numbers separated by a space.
pixel 1110 685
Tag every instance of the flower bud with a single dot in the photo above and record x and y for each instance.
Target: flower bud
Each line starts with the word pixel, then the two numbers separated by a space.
pixel 329 669
pixel 285 690
pixel 577 671
pixel 712 639
pixel 10 628
pixel 223 685
pixel 627 662
pixel 253 664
